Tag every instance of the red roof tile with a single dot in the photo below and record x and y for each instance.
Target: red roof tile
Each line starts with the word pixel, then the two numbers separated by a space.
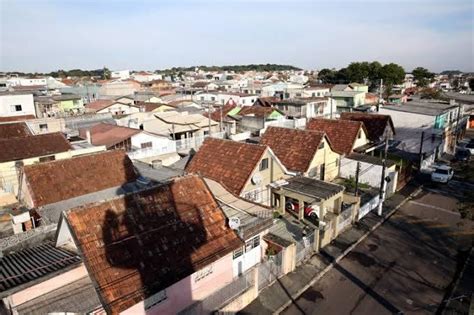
pixel 216 115
pixel 228 162
pixel 374 123
pixel 16 118
pixel 14 130
pixel 108 134
pixel 59 180
pixel 341 133
pixel 13 149
pixel 99 105
pixel 294 147
pixel 137 245
pixel 267 101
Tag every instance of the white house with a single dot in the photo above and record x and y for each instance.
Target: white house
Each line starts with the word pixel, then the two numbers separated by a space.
pixel 120 74
pixel 240 99
pixel 26 81
pixel 13 104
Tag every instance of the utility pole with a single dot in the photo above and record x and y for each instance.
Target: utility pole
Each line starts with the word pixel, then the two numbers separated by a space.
pixel 383 182
pixel 209 116
pixel 421 148
pixel 356 193
pixel 221 120
pixel 380 95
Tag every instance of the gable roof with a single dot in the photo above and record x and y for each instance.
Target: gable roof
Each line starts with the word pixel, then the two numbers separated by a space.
pixel 216 115
pixel 99 105
pixel 14 130
pixel 13 149
pixel 294 147
pixel 257 111
pixel 266 101
pixel 142 243
pixel 374 123
pixel 108 134
pixel 68 178
pixel 228 162
pixel 341 133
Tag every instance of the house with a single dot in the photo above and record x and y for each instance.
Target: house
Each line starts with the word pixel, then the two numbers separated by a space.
pixel 303 151
pixel 16 104
pixel 180 125
pixel 440 123
pixel 378 126
pixel 244 169
pixel 345 135
pixel 307 107
pixel 347 100
pixel 117 108
pixel 147 97
pixel 280 89
pixel 223 115
pixel 138 264
pixel 19 151
pixel 69 103
pixel 119 87
pixel 256 118
pixel 145 77
pixel 52 187
pixel 118 137
pixel 239 99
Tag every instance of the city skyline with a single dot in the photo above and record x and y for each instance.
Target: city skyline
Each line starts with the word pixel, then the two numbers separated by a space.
pixel 44 36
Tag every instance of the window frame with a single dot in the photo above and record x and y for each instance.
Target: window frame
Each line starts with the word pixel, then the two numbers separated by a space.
pixel 264 163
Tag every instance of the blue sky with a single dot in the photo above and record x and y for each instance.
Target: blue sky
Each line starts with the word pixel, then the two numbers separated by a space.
pixel 41 35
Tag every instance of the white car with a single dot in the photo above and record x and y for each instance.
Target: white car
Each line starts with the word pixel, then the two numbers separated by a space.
pixel 442 174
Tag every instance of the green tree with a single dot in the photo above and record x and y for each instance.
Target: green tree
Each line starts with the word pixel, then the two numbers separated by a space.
pixel 326 75
pixel 422 76
pixel 391 74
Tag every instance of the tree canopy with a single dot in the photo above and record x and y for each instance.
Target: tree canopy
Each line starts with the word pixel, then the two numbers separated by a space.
pixel 422 76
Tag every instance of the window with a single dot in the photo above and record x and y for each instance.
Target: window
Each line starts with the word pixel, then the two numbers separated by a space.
pixel 203 273
pixel 252 243
pixel 321 145
pixel 47 158
pixel 359 135
pixel 155 299
pixel 202 98
pixel 206 132
pixel 337 162
pixel 237 253
pixel 254 195
pixel 145 145
pixel 298 94
pixel 213 98
pixel 43 127
pixel 264 164
pixel 15 108
pixel 243 101
pixel 313 94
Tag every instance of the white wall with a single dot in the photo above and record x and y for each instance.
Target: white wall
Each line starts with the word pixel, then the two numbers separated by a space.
pixel 9 100
pixel 117 108
pixel 158 143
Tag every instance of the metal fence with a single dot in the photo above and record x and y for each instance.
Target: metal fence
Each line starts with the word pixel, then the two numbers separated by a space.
pixel 195 142
pixel 270 270
pixel 304 248
pixel 222 296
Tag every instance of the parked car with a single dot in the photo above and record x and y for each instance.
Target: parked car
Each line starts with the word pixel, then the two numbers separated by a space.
pixel 462 154
pixel 442 174
pixel 470 147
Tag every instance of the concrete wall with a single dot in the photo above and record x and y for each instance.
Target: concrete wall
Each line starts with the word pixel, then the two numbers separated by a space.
pixel 362 140
pixel 25 100
pixel 327 157
pixel 119 109
pixel 269 175
pixel 190 290
pixel 158 142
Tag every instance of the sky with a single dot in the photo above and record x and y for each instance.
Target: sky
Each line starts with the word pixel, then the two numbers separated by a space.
pixel 47 35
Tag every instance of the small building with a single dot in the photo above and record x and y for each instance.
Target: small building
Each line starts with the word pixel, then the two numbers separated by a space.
pixel 378 126
pixel 244 169
pixel 348 100
pixel 345 135
pixel 69 103
pixel 303 151
pixel 138 264
pixel 16 104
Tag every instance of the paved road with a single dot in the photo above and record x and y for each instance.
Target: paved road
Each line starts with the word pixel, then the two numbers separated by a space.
pixel 405 266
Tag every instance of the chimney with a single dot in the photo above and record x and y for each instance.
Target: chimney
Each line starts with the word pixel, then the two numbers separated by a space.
pixel 88 136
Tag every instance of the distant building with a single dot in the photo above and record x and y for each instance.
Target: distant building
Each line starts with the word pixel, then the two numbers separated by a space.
pixel 16 104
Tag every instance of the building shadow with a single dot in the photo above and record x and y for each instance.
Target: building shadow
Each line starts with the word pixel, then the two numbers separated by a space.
pixel 151 237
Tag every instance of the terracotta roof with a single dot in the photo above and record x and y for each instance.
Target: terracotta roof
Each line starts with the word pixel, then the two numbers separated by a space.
pixel 341 133
pixel 59 180
pixel 257 111
pixel 16 118
pixel 374 123
pixel 14 130
pixel 13 149
pixel 99 105
pixel 149 107
pixel 228 162
pixel 108 134
pixel 267 101
pixel 216 115
pixel 142 243
pixel 294 147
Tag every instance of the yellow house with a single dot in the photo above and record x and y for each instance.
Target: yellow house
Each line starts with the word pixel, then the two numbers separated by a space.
pixel 306 152
pixel 346 136
pixel 245 170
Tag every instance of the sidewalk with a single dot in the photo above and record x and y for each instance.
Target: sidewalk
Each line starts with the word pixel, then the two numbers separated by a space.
pixel 280 294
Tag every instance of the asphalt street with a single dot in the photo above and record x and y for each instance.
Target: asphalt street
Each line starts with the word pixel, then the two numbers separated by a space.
pixel 406 266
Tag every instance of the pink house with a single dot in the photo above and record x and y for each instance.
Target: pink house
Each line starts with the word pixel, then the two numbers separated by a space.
pixel 157 251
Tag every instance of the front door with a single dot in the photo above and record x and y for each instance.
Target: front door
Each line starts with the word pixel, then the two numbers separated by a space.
pixel 322 169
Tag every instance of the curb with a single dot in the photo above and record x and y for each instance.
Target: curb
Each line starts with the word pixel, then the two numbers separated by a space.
pixel 344 253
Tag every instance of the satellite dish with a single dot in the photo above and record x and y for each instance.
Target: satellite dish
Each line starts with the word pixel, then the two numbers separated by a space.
pixel 234 223
pixel 257 179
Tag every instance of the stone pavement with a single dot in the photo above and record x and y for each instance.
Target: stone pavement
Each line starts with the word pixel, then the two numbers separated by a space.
pixel 282 292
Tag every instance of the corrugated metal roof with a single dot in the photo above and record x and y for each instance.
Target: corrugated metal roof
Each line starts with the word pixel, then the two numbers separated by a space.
pixel 33 263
